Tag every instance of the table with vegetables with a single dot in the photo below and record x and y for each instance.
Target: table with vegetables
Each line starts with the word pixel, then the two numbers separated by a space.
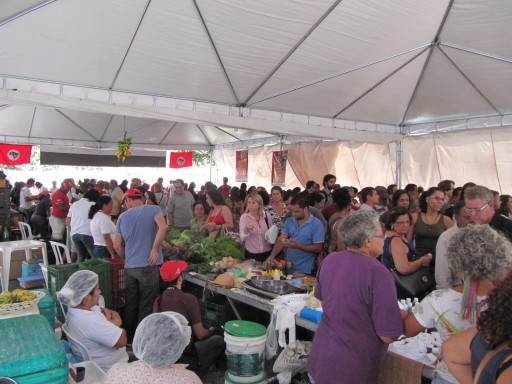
pixel 219 265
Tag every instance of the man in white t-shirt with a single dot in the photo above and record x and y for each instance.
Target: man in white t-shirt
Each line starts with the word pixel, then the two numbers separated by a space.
pixel 445 276
pixel 79 225
pixel 27 201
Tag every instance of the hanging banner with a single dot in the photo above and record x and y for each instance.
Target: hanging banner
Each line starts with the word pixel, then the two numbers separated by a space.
pixel 15 154
pixel 279 159
pixel 242 165
pixel 181 159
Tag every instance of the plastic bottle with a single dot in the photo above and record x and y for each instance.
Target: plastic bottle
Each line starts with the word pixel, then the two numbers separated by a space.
pixel 289 268
pixel 311 314
pixel 276 275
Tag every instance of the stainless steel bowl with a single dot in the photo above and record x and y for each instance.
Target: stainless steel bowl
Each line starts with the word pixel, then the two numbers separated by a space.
pixel 260 280
pixel 276 286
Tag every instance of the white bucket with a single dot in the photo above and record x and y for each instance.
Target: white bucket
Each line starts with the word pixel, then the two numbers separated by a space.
pixel 245 357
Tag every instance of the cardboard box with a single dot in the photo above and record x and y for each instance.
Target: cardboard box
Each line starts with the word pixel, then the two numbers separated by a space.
pixel 17 258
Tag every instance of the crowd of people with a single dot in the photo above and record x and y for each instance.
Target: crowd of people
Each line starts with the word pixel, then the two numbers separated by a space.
pixel 349 239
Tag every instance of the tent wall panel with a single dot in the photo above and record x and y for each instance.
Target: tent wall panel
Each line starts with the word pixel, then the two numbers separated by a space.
pixel 481 156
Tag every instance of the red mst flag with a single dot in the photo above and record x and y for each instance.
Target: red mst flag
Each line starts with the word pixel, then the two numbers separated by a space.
pixel 15 154
pixel 181 159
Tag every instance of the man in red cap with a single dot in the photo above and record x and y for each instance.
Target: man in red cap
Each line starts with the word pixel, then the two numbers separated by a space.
pixel 140 232
pixel 205 347
pixel 60 208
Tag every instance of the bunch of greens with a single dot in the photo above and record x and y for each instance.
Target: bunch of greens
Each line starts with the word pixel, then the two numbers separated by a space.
pixel 227 246
pixel 206 248
pixel 201 254
pixel 185 239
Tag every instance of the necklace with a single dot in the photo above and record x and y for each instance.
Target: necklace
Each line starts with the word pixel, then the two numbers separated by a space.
pixel 433 222
pixel 430 225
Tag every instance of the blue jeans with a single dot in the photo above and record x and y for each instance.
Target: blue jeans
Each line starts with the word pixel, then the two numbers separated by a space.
pixel 142 289
pixel 100 252
pixel 84 246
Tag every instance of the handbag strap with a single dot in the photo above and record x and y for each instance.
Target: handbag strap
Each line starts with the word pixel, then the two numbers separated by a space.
pixel 391 253
pixel 266 219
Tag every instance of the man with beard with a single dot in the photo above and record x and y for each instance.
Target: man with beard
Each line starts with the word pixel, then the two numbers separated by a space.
pixel 329 182
pixel 303 236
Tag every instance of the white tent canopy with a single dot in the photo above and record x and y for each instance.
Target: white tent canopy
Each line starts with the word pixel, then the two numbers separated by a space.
pixel 227 73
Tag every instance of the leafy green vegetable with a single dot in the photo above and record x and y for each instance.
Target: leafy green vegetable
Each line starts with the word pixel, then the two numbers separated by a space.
pixel 227 246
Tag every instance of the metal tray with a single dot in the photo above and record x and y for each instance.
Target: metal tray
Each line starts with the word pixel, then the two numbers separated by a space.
pixel 261 291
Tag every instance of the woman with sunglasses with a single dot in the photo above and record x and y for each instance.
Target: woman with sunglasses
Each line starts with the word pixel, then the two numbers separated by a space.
pixel 398 251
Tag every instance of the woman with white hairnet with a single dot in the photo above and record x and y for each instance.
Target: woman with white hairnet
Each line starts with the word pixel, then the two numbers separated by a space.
pixel 158 342
pixel 99 329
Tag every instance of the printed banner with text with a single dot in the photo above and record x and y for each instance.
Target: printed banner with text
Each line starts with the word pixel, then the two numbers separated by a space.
pixel 242 166
pixel 279 159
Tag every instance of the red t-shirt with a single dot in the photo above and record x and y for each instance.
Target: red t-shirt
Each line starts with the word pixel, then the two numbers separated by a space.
pixel 59 196
pixel 224 188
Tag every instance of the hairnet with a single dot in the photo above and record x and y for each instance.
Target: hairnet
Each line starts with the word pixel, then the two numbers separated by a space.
pixel 161 338
pixel 79 285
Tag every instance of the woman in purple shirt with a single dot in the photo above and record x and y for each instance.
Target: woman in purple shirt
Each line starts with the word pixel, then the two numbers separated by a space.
pixel 361 316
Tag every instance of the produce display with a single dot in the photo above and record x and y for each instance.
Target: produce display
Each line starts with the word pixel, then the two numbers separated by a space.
pixel 204 255
pixel 16 296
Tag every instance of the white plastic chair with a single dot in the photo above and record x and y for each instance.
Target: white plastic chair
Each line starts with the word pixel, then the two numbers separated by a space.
pixel 44 269
pixel 26 231
pixel 58 248
pixel 79 350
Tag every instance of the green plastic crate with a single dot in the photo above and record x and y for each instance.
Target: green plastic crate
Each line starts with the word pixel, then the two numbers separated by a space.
pixel 216 311
pixel 102 269
pixel 58 275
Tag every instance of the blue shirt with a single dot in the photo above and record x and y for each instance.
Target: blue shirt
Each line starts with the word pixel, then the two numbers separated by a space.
pixel 387 258
pixel 311 232
pixel 138 228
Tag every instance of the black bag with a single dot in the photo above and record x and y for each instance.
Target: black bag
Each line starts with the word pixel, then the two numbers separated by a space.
pixel 416 283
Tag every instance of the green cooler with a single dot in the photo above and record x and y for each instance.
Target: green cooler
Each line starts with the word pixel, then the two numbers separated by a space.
pixel 30 353
pixel 47 307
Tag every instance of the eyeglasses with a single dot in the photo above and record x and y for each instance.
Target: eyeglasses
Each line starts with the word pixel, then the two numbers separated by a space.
pixel 467 209
pixel 382 236
pixel 438 198
pixel 407 222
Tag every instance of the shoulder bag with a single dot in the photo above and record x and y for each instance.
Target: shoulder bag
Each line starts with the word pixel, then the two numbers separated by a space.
pixel 413 284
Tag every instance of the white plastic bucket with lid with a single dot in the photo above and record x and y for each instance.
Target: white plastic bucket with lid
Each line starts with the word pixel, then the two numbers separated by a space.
pixel 245 346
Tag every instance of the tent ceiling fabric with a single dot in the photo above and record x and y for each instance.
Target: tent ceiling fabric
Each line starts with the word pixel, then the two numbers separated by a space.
pixel 203 73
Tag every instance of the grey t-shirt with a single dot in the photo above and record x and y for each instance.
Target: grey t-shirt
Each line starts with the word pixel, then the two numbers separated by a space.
pixel 181 208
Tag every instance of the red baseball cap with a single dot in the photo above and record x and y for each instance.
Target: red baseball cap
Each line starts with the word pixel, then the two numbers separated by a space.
pixel 67 184
pixel 133 192
pixel 170 270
